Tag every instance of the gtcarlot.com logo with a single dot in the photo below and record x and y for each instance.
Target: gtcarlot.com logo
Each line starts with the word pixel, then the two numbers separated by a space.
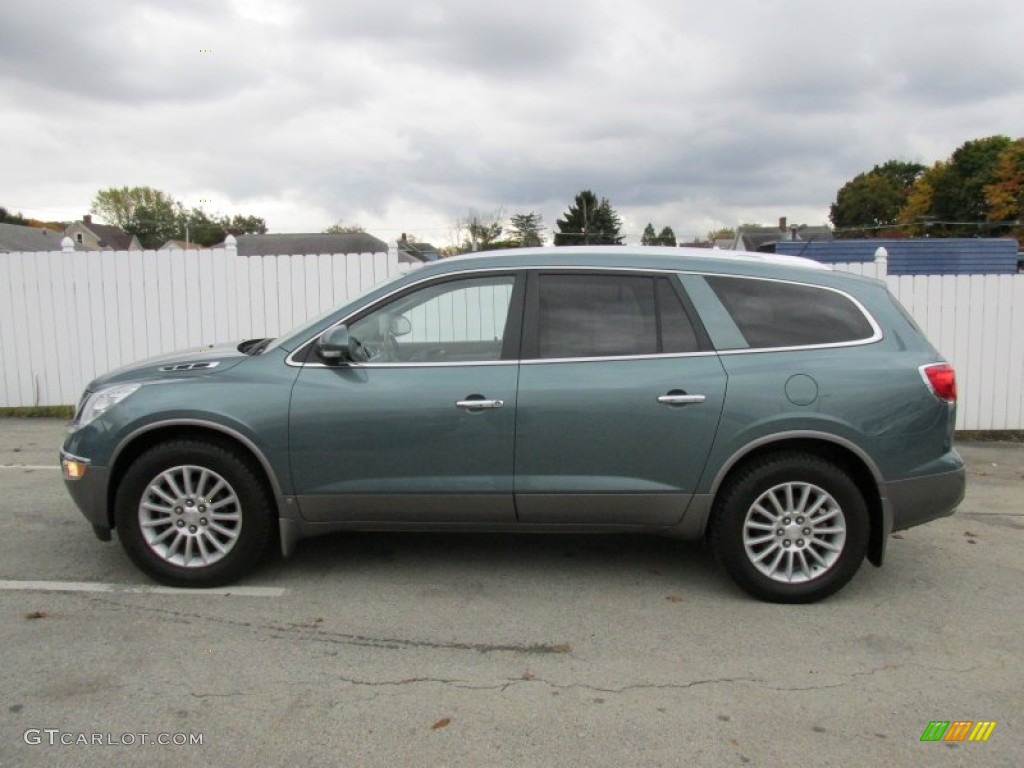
pixel 55 737
pixel 958 730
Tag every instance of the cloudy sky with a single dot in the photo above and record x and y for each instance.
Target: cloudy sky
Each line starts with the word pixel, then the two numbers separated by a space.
pixel 401 116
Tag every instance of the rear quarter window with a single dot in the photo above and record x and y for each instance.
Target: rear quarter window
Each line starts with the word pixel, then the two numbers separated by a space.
pixel 770 313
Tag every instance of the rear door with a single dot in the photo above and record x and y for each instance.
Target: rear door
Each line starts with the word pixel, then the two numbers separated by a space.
pixel 619 399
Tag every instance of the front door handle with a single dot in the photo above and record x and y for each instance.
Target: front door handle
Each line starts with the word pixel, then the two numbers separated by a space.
pixel 475 402
pixel 678 397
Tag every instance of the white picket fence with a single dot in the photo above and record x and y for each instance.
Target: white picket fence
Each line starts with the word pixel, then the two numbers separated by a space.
pixel 67 317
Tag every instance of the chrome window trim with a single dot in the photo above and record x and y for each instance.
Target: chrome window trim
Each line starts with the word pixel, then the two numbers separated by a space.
pixel 876 336
pixel 616 358
pixel 876 329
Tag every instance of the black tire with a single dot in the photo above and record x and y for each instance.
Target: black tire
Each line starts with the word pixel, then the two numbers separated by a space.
pixel 223 503
pixel 816 569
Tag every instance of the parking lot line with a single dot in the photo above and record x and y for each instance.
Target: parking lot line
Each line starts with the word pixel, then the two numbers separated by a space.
pixel 133 589
pixel 29 466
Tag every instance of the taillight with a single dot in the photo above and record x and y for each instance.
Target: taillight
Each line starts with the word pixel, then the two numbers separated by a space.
pixel 941 380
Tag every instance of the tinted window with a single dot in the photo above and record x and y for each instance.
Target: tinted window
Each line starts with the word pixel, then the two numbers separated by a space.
pixel 596 316
pixel 677 334
pixel 610 315
pixel 774 314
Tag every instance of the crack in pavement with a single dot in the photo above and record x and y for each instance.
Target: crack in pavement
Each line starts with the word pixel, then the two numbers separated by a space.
pixel 289 631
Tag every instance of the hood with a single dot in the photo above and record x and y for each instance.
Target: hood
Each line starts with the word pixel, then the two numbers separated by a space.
pixel 187 363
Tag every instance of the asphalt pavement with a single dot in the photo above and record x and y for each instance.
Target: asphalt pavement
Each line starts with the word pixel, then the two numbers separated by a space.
pixel 486 650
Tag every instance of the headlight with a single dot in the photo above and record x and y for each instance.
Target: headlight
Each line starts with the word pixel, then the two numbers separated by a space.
pixel 102 401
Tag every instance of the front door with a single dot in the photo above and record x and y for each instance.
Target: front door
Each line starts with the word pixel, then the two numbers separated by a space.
pixel 423 429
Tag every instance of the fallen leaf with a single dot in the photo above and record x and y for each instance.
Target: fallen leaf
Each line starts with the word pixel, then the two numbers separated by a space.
pixel 674 598
pixel 971 541
pixel 35 615
pixel 527 675
pixel 442 723
pixel 897 536
pixel 562 648
pixel 968 533
pixel 734 742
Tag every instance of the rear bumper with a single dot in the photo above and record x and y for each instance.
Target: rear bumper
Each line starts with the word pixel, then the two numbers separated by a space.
pixel 89 492
pixel 922 499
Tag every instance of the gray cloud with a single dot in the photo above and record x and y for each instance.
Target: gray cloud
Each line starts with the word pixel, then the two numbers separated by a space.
pixel 390 112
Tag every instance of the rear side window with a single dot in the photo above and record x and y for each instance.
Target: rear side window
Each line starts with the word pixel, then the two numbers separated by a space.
pixel 582 315
pixel 776 314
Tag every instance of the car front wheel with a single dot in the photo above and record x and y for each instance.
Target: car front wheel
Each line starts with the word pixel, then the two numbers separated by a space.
pixel 192 514
pixel 790 528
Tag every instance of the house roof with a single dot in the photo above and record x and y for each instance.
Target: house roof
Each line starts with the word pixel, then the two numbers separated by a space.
pixel 180 245
pixel 418 251
pixel 281 245
pixel 18 237
pixel 764 238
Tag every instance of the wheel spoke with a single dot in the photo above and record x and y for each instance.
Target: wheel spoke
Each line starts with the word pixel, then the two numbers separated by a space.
pixel 176 531
pixel 772 519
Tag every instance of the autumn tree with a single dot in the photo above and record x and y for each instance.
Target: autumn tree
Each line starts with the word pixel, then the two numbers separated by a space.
pixel 589 221
pixel 870 203
pixel 1005 194
pixel 958 195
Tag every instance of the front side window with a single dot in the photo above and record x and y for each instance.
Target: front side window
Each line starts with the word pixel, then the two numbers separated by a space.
pixel 586 315
pixel 456 321
pixel 771 314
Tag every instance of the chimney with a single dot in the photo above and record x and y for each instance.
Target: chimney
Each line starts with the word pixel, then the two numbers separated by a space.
pixel 782 223
pixel 87 219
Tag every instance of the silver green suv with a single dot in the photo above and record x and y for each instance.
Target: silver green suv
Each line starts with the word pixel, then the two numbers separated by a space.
pixel 790 415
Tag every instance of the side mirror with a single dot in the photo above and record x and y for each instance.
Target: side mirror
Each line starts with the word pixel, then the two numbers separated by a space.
pixel 400 326
pixel 336 346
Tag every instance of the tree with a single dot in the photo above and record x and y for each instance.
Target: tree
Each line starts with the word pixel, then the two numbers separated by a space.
pixel 667 237
pixel 155 217
pixel 958 195
pixel 6 217
pixel 1005 195
pixel 648 237
pixel 871 202
pixel 244 225
pixel 527 230
pixel 589 221
pixel 339 228
pixel 480 232
pixel 722 233
pixel 119 206
pixel 917 210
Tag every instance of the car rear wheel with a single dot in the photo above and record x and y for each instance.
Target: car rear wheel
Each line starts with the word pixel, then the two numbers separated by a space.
pixel 192 514
pixel 790 528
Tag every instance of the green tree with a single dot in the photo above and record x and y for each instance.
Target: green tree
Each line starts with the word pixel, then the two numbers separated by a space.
pixel 667 237
pixel 958 195
pixel 480 232
pixel 339 228
pixel 649 237
pixel 871 202
pixel 527 230
pixel 244 225
pixel 589 221
pixel 6 217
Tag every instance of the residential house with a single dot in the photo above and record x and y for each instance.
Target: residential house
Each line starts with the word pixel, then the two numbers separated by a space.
pixel 180 245
pixel 291 244
pixel 764 239
pixel 412 252
pixel 18 237
pixel 101 237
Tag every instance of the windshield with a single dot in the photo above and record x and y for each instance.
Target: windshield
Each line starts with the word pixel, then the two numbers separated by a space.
pixel 296 336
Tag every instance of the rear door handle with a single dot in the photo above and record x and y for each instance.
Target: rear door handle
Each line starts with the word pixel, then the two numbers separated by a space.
pixel 478 403
pixel 675 397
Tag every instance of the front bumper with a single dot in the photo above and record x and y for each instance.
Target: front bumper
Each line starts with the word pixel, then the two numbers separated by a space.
pixel 89 492
pixel 922 499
